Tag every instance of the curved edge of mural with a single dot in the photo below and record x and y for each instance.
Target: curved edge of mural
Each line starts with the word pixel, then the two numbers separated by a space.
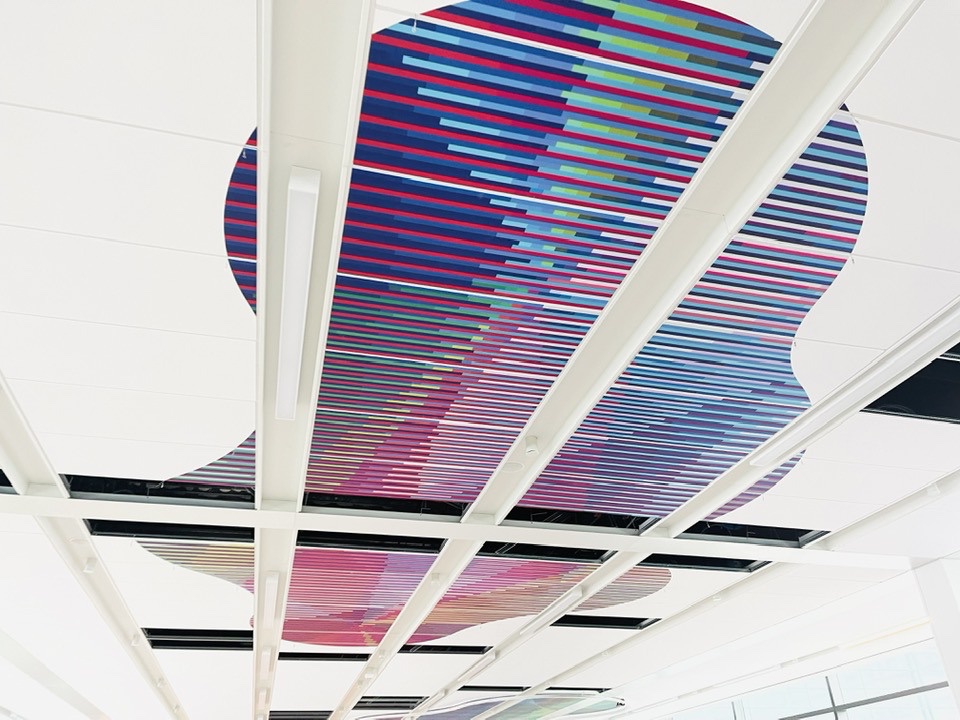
pixel 350 598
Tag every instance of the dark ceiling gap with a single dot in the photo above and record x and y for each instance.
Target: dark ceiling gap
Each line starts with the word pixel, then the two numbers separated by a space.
pixel 95 487
pixel 751 534
pixel 931 393
pixel 610 622
pixel 370 504
pixel 169 531
pixel 693 562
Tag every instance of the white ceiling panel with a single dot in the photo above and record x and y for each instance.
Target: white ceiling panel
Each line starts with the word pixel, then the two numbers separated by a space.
pixel 910 212
pixel 83 177
pixel 312 685
pixel 874 303
pixel 126 415
pixel 413 674
pixel 549 653
pixel 161 594
pixel 895 442
pixel 118 458
pixel 92 280
pixel 127 358
pixel 211 685
pixel 907 85
pixel 179 66
pixel 798 512
pixel 823 366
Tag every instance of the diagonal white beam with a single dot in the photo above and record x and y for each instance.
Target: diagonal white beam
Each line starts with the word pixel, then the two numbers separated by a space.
pixel 31 666
pixel 833 46
pixel 311 62
pixel 32 475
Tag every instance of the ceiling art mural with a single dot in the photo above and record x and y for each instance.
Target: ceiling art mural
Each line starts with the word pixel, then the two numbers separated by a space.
pixel 514 158
pixel 352 597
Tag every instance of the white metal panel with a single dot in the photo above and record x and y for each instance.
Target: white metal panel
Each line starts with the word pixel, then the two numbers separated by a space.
pixel 180 66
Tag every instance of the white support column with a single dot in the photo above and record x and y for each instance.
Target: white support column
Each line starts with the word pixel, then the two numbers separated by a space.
pixel 939 584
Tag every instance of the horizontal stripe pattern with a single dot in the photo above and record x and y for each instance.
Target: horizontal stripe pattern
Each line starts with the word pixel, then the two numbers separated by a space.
pixel 235 469
pixel 240 221
pixel 716 380
pixel 351 598
pixel 508 173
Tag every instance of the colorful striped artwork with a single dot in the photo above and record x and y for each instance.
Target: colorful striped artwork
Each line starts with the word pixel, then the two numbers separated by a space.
pixel 514 157
pixel 716 380
pixel 350 598
pixel 240 221
pixel 538 706
pixel 513 160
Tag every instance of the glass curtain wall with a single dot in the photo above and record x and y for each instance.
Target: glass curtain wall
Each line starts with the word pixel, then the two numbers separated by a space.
pixel 906 684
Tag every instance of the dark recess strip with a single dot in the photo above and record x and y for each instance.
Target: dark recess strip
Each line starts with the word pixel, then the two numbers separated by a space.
pixel 352 541
pixel 169 531
pixel 388 702
pixel 94 486
pixel 212 639
pixel 691 562
pixel 603 621
pixel 391 505
pixel 522 688
pixel 754 534
pixel 543 552
pixel 581 518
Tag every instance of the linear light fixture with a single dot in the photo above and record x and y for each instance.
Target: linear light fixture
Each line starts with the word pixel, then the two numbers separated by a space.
pixel 271 590
pixel 303 197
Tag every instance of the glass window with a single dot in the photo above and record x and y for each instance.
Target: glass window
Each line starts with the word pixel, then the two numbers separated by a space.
pixel 799 696
pixel 911 667
pixel 933 705
pixel 718 711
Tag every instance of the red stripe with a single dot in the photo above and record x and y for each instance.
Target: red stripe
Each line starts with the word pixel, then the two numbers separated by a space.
pixel 634 28
pixel 497 212
pixel 619 57
pixel 504 230
pixel 535 152
pixel 537 102
pixel 492 264
pixel 510 121
pixel 576 79
pixel 569 180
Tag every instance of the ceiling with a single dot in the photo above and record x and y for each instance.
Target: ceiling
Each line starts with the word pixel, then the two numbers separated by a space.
pixel 592 297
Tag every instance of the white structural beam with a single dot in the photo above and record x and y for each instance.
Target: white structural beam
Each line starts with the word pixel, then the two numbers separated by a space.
pixel 584 590
pixel 834 45
pixel 332 521
pixel 311 62
pixel 33 476
pixel 31 666
pixel 451 561
pixel 939 585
